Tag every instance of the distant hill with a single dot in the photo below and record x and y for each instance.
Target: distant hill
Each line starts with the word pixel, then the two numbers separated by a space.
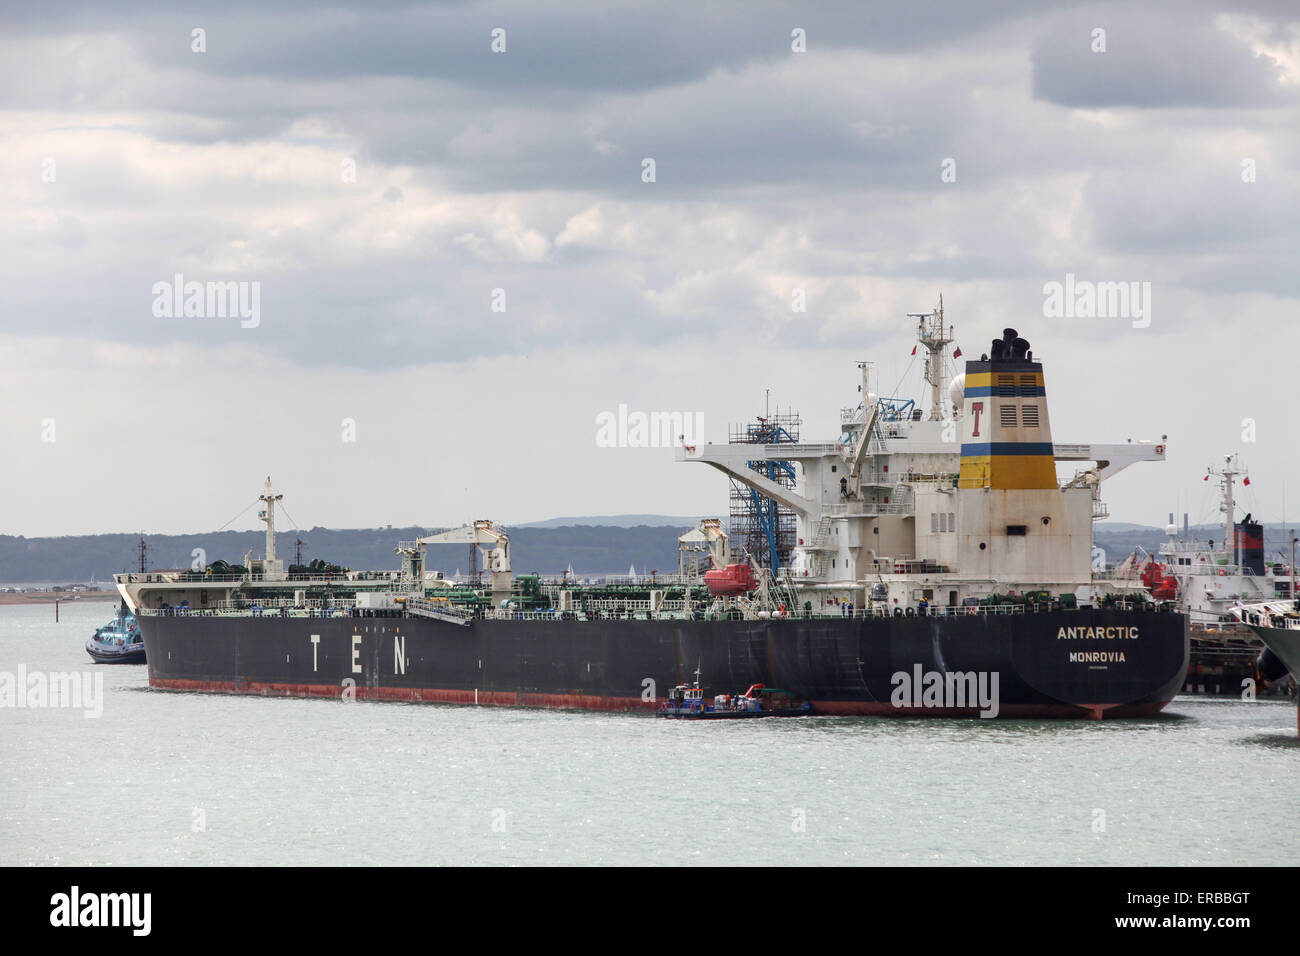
pixel 618 521
pixel 550 550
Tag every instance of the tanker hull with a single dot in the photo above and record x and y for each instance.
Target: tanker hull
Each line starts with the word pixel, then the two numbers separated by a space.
pixel 1083 663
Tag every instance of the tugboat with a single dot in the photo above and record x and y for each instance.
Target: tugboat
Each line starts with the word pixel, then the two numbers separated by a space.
pixel 117 642
pixel 688 703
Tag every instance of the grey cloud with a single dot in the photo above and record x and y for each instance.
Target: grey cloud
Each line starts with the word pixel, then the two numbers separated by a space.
pixel 582 45
pixel 1161 57
pixel 822 169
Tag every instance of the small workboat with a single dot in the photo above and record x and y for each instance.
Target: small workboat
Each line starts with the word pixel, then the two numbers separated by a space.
pixel 117 642
pixel 689 703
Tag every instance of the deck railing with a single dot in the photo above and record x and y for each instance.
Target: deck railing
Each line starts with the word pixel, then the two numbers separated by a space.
pixel 183 577
pixel 673 611
pixel 248 610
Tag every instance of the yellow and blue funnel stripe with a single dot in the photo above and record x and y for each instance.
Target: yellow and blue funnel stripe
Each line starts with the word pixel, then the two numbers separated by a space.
pixel 1006 441
pixel 1025 383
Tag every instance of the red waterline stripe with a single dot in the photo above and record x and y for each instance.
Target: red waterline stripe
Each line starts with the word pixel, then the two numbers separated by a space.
pixel 411 694
pixel 834 708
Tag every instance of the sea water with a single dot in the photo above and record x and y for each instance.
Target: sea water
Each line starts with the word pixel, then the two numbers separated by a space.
pixel 201 779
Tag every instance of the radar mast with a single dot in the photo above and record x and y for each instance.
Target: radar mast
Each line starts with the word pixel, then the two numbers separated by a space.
pixel 935 338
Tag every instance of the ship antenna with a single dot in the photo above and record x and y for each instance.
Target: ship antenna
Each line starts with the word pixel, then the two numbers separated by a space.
pixel 935 338
pixel 1225 475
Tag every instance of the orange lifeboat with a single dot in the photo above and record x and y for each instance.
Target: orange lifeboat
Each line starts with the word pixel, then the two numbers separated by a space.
pixel 1163 587
pixel 732 580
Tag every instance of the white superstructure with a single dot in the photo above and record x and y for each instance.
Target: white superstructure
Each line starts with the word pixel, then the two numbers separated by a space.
pixel 962 504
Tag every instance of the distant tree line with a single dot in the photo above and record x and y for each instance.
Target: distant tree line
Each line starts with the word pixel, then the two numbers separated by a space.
pixel 589 549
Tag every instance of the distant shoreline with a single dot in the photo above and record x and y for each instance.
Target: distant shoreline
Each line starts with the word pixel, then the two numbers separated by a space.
pixel 46 597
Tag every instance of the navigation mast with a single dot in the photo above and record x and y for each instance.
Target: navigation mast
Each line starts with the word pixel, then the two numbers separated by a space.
pixel 1230 470
pixel 931 333
pixel 268 515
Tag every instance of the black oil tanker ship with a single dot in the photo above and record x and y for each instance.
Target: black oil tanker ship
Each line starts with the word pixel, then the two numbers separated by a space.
pixel 925 581
pixel 1026 664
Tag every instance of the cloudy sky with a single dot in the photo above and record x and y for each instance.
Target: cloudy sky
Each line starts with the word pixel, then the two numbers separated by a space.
pixel 384 178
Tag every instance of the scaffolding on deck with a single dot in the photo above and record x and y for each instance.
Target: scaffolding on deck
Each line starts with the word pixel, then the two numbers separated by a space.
pixel 758 524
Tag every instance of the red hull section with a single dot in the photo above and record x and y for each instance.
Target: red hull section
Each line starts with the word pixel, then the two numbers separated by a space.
pixel 411 695
pixel 830 708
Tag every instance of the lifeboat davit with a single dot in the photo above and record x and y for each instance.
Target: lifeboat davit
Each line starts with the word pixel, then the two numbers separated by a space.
pixel 732 580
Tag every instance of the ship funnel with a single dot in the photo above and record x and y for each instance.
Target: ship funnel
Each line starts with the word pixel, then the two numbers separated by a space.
pixel 1248 543
pixel 1006 437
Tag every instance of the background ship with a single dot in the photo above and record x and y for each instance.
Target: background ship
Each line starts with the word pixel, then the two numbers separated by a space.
pixel 941 547
pixel 1208 579
pixel 1277 623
